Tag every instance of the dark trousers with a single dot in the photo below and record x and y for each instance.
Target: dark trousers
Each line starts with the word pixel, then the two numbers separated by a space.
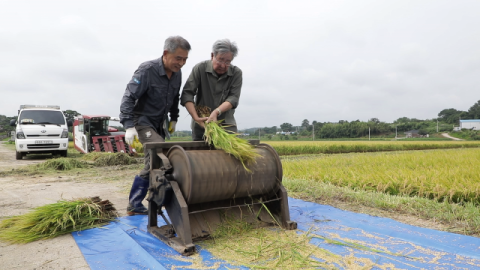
pixel 148 134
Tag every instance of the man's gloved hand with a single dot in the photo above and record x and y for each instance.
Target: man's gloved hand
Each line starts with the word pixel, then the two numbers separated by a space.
pixel 130 135
pixel 171 126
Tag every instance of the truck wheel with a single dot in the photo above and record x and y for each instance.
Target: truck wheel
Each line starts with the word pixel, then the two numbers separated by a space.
pixel 64 153
pixel 19 155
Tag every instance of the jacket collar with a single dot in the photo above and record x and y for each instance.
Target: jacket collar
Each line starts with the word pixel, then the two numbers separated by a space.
pixel 209 69
pixel 161 69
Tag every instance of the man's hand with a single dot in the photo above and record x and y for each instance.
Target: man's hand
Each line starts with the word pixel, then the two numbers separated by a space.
pixel 201 121
pixel 130 135
pixel 171 127
pixel 213 116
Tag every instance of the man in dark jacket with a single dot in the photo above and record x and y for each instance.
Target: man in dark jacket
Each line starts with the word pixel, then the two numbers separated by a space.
pixel 151 94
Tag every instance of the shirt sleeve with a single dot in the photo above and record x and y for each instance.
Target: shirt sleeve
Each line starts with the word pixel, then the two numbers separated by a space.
pixel 174 110
pixel 137 86
pixel 191 87
pixel 236 88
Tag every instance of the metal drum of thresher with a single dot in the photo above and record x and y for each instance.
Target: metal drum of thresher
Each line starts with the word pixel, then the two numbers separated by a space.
pixel 213 175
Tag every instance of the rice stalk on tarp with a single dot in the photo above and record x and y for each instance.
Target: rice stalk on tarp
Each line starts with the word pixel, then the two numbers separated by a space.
pixel 51 220
pixel 244 244
pixel 227 141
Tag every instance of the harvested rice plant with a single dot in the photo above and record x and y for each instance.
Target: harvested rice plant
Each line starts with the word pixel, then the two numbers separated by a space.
pixel 240 243
pixel 56 219
pixel 227 141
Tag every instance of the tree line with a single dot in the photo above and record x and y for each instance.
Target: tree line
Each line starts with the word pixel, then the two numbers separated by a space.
pixel 446 120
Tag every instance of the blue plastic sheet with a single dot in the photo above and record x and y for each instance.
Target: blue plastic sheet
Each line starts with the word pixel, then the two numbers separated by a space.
pixel 126 244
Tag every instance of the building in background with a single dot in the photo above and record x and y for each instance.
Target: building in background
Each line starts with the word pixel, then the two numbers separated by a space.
pixel 473 124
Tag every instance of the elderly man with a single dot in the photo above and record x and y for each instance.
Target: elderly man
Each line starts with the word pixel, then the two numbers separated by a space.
pixel 151 94
pixel 217 84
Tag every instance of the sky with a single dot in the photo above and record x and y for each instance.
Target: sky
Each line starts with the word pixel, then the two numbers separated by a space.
pixel 318 60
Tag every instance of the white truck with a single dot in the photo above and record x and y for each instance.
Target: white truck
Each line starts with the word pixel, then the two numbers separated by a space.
pixel 40 129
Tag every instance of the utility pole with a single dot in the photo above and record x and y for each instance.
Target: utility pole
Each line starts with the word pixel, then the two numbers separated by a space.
pixel 396 132
pixel 313 132
pixel 259 134
pixel 369 133
pixel 437 125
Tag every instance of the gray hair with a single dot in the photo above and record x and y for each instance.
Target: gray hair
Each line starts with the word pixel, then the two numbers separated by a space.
pixel 224 46
pixel 174 42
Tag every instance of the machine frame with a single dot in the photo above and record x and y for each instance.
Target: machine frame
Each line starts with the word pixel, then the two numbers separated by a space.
pixel 195 221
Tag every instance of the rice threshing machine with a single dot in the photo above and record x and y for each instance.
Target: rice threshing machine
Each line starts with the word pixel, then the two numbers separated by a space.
pixel 200 186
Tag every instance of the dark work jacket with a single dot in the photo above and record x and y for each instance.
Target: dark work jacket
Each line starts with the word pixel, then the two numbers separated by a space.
pixel 150 95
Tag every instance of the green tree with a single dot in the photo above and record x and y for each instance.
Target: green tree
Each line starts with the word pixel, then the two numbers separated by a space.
pixel 305 123
pixel 286 127
pixel 70 114
pixel 270 130
pixel 451 116
pixel 5 124
pixel 375 120
pixel 474 111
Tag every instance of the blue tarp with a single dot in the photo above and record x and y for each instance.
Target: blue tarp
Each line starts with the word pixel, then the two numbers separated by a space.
pixel 126 244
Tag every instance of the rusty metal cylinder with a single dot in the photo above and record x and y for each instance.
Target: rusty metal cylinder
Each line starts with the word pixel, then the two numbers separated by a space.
pixel 213 175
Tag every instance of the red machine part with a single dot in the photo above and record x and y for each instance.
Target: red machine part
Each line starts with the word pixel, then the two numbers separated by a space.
pixel 111 144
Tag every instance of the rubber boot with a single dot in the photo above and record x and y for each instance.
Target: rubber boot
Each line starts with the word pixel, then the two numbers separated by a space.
pixel 137 194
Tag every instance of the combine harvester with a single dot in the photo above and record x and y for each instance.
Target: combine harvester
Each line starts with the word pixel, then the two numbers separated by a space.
pixel 92 133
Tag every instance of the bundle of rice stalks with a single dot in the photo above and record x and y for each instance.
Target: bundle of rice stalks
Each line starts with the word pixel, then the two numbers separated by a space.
pixel 61 164
pixel 56 219
pixel 227 141
pixel 137 145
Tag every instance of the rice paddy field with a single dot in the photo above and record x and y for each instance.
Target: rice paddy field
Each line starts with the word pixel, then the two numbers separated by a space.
pixel 336 147
pixel 448 171
pixel 441 171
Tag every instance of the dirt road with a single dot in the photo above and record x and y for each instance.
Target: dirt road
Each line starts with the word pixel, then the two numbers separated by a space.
pixel 450 137
pixel 20 193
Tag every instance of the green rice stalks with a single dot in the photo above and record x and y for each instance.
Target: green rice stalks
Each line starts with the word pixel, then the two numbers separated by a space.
pixel 56 219
pixel 111 159
pixel 61 164
pixel 227 141
pixel 101 159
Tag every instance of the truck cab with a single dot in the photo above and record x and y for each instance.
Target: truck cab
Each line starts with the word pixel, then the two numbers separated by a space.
pixel 92 133
pixel 40 129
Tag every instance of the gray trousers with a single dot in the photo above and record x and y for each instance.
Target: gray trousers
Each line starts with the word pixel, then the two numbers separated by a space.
pixel 147 134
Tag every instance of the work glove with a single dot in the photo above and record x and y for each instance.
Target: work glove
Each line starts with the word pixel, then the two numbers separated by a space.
pixel 171 127
pixel 130 135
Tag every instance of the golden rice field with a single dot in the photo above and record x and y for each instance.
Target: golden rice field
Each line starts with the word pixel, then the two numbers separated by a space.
pixel 452 174
pixel 336 147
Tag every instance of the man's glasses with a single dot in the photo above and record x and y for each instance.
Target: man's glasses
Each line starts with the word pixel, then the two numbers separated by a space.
pixel 227 64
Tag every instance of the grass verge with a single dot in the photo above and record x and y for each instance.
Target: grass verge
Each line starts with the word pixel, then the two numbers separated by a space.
pixel 458 218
